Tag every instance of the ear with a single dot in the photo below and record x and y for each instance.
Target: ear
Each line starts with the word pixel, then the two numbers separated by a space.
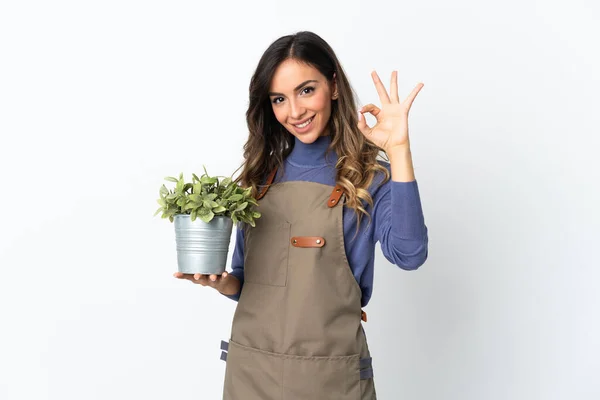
pixel 334 91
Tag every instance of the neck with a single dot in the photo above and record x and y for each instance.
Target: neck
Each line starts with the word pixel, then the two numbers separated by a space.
pixel 312 154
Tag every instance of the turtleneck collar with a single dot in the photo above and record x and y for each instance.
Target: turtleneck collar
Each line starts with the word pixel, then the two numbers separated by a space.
pixel 313 154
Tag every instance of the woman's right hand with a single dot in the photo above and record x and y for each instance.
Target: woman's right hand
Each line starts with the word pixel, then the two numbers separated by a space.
pixel 224 283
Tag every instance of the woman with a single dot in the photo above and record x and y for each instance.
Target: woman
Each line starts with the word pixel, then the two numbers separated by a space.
pixel 303 273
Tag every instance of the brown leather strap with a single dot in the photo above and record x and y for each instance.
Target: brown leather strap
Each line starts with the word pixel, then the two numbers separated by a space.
pixel 267 184
pixel 307 241
pixel 336 194
pixel 363 315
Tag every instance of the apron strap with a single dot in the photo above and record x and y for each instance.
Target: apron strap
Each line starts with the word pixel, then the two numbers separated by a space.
pixel 224 347
pixel 267 184
pixel 366 362
pixel 336 194
pixel 366 373
pixel 366 368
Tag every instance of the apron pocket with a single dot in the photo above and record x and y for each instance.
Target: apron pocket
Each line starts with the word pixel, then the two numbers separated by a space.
pixel 251 374
pixel 321 378
pixel 266 251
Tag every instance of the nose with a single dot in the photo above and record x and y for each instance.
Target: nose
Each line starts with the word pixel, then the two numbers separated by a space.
pixel 296 110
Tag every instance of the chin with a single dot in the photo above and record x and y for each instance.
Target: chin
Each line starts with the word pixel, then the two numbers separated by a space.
pixel 307 138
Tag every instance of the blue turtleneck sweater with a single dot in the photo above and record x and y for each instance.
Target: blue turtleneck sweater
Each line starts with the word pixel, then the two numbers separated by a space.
pixel 397 217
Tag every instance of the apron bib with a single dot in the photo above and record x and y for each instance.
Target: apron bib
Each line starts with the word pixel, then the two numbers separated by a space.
pixel 296 332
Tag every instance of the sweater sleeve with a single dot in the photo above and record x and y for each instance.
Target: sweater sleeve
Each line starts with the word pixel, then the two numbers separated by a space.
pixel 237 261
pixel 400 226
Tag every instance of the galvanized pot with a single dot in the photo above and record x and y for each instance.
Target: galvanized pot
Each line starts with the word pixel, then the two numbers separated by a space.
pixel 202 247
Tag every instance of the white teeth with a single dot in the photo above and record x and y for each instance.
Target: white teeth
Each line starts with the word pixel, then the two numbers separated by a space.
pixel 304 124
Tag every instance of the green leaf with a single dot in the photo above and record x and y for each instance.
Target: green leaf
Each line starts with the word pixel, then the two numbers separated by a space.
pixel 204 211
pixel 208 181
pixel 226 182
pixel 162 202
pixel 157 211
pixel 236 197
pixel 242 206
pixel 256 214
pixel 189 206
pixel 171 179
pixel 207 217
pixel 228 193
pixel 219 209
pixel 209 203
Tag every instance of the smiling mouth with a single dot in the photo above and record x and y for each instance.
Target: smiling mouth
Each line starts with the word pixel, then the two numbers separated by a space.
pixel 305 124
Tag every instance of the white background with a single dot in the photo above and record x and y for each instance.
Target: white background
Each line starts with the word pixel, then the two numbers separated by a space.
pixel 101 100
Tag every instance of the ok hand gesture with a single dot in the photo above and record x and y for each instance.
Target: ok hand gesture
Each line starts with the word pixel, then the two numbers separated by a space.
pixel 391 130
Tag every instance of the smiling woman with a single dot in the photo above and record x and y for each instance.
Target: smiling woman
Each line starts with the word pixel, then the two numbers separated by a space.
pixel 303 273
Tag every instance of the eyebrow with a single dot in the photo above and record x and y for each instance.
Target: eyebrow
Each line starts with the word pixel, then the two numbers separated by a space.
pixel 296 88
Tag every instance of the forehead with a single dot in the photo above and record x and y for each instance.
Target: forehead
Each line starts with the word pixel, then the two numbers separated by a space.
pixel 290 73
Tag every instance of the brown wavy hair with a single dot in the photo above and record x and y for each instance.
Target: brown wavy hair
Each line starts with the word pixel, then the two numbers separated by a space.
pixel 269 142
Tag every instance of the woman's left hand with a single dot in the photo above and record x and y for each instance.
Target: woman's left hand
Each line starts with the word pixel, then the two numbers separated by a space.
pixel 391 130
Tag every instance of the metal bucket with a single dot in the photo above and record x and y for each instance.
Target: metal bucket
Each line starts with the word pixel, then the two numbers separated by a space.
pixel 202 247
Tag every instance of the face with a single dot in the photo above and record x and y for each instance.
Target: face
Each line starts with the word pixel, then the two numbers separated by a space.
pixel 298 93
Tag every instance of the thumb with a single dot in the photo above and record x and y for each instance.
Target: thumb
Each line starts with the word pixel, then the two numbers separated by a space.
pixel 221 278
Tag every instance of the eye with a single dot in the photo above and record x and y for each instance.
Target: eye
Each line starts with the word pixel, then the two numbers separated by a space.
pixel 309 88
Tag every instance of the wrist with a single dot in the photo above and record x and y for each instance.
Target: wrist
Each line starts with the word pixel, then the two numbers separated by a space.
pixel 401 164
pixel 398 152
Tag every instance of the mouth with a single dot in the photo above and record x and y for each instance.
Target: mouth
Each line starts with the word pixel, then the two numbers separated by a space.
pixel 304 124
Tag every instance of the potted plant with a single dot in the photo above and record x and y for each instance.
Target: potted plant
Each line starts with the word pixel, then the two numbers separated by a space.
pixel 204 212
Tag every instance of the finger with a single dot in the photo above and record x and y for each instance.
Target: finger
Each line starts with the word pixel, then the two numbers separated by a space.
pixel 372 109
pixel 200 279
pixel 412 95
pixel 383 96
pixel 362 124
pixel 394 87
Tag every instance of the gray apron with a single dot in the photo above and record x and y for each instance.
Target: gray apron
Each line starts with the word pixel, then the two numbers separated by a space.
pixel 297 332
